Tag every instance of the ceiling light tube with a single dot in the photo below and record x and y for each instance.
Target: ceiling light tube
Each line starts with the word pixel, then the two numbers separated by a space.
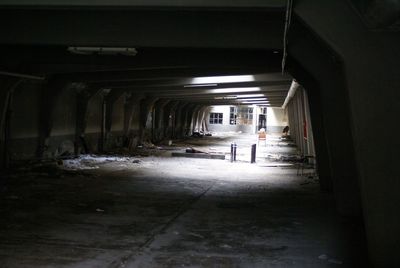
pixel 234 90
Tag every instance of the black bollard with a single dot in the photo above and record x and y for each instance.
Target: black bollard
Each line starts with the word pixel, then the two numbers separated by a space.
pixel 233 152
pixel 253 153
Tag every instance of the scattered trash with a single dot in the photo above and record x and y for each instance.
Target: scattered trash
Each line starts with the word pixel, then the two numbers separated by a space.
pixel 99 210
pixel 334 261
pixel 87 162
pixel 225 246
pixel 198 134
pixel 193 151
pixel 323 257
pixel 176 233
pixel 196 235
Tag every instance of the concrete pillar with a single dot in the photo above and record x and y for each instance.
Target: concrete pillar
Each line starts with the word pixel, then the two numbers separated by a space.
pixel 201 118
pixel 316 116
pixel 110 100
pixel 49 97
pixel 188 119
pixel 7 85
pixel 159 108
pixel 181 112
pixel 194 119
pixel 147 118
pixel 132 120
pixel 371 82
pixel 169 118
pixel 83 95
pixel 316 59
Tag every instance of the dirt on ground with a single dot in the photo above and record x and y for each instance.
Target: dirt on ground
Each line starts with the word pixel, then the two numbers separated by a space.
pixel 148 209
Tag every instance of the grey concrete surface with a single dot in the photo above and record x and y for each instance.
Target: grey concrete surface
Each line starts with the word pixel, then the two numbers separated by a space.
pixel 160 211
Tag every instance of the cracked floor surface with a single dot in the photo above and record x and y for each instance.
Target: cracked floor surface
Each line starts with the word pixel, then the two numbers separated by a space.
pixel 174 212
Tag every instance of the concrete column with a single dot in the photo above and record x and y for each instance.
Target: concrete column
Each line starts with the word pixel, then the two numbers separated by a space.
pixel 371 82
pixel 7 85
pixel 188 119
pixel 169 118
pixel 194 119
pixel 319 61
pixel 132 120
pixel 310 143
pixel 316 116
pixel 158 132
pixel 110 100
pixel 83 95
pixel 49 97
pixel 181 112
pixel 200 125
pixel 146 118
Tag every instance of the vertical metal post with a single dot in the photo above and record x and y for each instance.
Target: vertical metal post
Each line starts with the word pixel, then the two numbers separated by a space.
pixel 231 152
pixel 253 153
pixel 234 151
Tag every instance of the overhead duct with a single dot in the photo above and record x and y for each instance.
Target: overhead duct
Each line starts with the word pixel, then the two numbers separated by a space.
pixel 291 92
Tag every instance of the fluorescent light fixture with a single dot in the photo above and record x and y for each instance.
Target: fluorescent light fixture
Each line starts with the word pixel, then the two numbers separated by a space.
pixel 252 102
pixel 223 79
pixel 201 85
pixel 250 96
pixel 226 98
pixel 126 51
pixel 256 99
pixel 234 90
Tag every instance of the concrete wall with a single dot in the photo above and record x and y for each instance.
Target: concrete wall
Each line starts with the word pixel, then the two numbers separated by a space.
pixel 371 79
pixel 24 121
pixel 276 120
pixel 72 124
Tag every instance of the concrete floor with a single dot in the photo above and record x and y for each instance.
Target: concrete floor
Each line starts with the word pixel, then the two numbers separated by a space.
pixel 160 211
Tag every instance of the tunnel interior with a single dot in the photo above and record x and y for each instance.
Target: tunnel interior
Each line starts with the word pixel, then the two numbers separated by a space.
pixel 127 135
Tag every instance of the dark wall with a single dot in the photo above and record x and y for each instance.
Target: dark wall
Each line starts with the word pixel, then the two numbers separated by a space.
pixel 371 72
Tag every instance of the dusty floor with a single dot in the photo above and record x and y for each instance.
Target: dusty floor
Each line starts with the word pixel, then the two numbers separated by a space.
pixel 160 211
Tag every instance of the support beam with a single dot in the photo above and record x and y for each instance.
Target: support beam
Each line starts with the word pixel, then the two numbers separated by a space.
pixel 7 86
pixel 51 91
pixel 318 59
pixel 83 96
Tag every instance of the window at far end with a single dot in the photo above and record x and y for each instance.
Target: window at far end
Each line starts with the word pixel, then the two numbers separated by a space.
pixel 216 118
pixel 233 115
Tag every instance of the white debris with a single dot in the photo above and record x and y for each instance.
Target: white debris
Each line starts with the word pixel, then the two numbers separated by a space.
pixel 196 235
pixel 99 210
pixel 92 162
pixel 334 261
pixel 323 257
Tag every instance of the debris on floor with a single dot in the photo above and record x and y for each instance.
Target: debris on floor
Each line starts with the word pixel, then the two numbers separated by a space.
pixel 162 211
pixel 199 155
pixel 87 162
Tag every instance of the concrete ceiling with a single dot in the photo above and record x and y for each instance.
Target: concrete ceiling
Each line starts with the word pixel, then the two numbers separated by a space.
pixel 148 3
pixel 176 43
